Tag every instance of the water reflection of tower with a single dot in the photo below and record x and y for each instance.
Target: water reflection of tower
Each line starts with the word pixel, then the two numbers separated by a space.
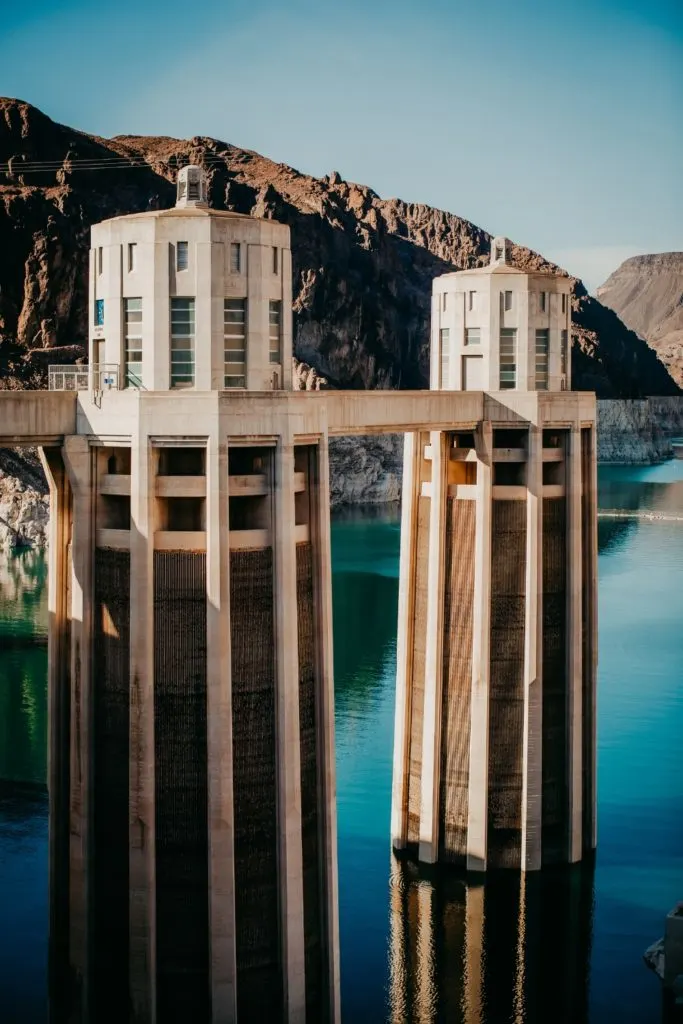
pixel 514 949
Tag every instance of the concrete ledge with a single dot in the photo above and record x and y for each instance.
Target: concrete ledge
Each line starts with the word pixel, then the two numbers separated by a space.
pixel 462 455
pixel 115 483
pixel 553 490
pixel 509 455
pixel 117 539
pixel 512 492
pixel 464 492
pixel 180 487
pixel 248 485
pixel 553 454
pixel 180 540
pixel 249 540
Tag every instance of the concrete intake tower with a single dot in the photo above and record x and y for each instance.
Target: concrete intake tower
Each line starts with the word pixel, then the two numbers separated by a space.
pixel 494 762
pixel 193 845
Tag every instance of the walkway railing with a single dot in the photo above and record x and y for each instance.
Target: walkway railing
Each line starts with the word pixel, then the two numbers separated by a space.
pixel 102 377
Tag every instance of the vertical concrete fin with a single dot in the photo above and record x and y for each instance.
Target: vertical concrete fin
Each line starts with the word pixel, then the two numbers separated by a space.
pixel 320 522
pixel 59 709
pixel 533 644
pixel 222 963
pixel 477 798
pixel 142 765
pixel 574 644
pixel 78 460
pixel 431 741
pixel 405 638
pixel 287 732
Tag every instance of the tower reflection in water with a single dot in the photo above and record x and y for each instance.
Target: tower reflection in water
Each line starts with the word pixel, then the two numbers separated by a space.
pixel 513 949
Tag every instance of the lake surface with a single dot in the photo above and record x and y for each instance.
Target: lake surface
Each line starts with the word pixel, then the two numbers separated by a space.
pixel 564 946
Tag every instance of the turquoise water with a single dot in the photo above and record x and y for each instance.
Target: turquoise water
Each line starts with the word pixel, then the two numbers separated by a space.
pixel 564 947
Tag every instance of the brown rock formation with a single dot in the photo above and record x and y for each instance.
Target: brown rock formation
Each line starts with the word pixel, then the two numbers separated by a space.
pixel 647 293
pixel 363 266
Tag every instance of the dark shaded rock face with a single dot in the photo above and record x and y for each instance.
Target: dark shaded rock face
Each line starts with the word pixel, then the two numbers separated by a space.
pixel 363 266
pixel 647 293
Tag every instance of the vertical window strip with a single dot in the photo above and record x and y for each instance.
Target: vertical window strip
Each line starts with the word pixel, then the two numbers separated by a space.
pixel 182 343
pixel 542 345
pixel 564 352
pixel 275 260
pixel 472 336
pixel 99 313
pixel 132 352
pixel 508 358
pixel 445 346
pixel 132 252
pixel 234 343
pixel 235 258
pixel 275 331
pixel 182 256
pixel 507 300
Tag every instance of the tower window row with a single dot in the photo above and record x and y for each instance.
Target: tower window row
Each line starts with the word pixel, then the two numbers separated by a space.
pixel 182 322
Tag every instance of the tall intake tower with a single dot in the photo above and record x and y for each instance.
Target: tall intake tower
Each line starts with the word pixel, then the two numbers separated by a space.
pixel 494 763
pixel 193 843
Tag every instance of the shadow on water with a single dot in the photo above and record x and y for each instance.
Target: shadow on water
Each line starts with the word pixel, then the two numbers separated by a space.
pixel 515 949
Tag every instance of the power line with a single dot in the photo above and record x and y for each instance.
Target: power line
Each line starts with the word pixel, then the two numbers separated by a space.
pixel 16 166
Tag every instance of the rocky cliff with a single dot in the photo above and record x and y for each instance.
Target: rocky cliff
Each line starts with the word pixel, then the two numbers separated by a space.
pixel 646 292
pixel 362 265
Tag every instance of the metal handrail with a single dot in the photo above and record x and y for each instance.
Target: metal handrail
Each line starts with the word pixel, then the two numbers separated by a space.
pixel 73 377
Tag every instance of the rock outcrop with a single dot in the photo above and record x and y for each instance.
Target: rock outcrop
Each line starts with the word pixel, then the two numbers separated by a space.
pixel 646 292
pixel 363 265
pixel 24 503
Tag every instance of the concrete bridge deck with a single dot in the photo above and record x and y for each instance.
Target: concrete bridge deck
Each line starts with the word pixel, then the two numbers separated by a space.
pixel 29 418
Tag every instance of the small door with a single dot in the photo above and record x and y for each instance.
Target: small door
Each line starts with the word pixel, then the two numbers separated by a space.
pixel 98 351
pixel 473 373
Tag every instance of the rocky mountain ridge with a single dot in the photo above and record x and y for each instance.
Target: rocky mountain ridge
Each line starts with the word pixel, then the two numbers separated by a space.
pixel 362 265
pixel 646 292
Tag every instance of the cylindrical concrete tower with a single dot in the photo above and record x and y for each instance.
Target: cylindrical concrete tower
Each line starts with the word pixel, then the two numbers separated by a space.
pixel 190 298
pixel 495 716
pixel 192 729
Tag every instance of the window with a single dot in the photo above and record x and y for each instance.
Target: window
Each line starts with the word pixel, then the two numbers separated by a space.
pixel 234 343
pixel 182 343
pixel 542 360
pixel 445 297
pixel 471 300
pixel 132 340
pixel 564 352
pixel 473 336
pixel 99 312
pixel 182 256
pixel 564 303
pixel 100 261
pixel 499 252
pixel 275 331
pixel 445 346
pixel 132 252
pixel 508 363
pixel 235 258
pixel 275 260
pixel 193 192
pixel 507 300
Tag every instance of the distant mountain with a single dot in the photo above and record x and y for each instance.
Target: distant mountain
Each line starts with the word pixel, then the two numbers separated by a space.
pixel 362 265
pixel 647 293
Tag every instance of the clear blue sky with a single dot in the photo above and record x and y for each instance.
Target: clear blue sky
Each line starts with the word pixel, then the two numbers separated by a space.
pixel 560 125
